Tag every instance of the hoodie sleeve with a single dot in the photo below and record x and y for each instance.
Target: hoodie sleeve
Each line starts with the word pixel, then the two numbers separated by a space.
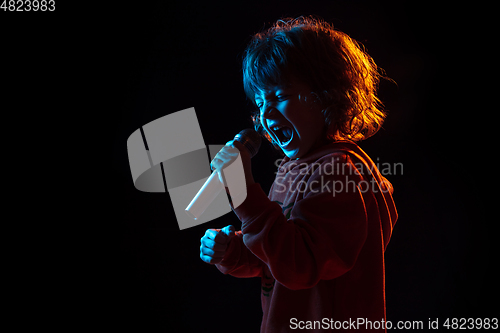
pixel 323 236
pixel 239 261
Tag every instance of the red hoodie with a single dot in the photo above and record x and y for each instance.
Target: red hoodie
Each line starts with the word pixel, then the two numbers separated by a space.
pixel 317 242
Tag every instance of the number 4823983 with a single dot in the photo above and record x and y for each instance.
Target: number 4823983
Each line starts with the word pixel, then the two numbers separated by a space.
pixel 28 5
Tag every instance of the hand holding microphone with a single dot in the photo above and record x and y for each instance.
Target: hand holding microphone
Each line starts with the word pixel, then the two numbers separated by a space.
pixel 227 155
pixel 245 145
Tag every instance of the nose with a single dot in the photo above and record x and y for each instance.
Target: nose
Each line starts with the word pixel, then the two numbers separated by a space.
pixel 269 111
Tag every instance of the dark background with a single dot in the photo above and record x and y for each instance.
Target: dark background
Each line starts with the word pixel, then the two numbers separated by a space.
pixel 163 57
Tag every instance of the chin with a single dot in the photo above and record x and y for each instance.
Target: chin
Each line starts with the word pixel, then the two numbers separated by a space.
pixel 291 154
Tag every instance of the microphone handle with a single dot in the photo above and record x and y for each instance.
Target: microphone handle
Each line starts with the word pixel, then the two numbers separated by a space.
pixel 212 187
pixel 205 196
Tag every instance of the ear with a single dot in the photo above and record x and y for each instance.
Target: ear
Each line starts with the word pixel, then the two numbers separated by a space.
pixel 309 99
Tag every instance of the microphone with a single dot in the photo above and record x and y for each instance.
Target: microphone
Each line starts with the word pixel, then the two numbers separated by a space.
pixel 251 140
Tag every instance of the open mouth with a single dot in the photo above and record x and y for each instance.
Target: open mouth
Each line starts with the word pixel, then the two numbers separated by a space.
pixel 283 134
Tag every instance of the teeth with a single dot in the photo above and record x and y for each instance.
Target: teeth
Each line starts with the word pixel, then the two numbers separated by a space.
pixel 283 134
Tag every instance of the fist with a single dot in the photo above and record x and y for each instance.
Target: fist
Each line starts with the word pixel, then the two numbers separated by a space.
pixel 214 244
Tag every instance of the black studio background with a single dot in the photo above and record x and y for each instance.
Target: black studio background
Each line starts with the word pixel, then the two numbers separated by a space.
pixel 162 57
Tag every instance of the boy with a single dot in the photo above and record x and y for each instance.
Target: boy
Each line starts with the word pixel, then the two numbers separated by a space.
pixel 318 240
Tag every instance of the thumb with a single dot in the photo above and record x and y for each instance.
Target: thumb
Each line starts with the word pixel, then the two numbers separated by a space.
pixel 228 231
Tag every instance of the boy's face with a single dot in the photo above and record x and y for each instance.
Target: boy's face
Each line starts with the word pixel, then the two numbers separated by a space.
pixel 297 127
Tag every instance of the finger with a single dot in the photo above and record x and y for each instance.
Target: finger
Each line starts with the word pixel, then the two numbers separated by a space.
pixel 229 149
pixel 219 160
pixel 211 233
pixel 215 164
pixel 206 251
pixel 232 151
pixel 226 156
pixel 221 238
pixel 223 160
pixel 229 231
pixel 231 146
pixel 215 235
pixel 212 253
pixel 232 231
pixel 210 260
pixel 213 245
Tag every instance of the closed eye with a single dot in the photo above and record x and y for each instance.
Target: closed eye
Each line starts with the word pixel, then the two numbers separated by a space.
pixel 278 98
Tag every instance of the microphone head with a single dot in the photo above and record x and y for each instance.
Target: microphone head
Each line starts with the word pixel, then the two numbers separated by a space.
pixel 250 139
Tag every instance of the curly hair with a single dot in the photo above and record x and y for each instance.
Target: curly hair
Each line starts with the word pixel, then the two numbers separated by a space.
pixel 341 75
